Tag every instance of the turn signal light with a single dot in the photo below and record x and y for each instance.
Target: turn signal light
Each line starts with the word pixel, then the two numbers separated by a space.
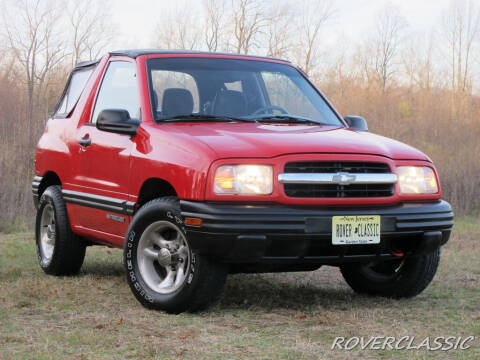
pixel 193 221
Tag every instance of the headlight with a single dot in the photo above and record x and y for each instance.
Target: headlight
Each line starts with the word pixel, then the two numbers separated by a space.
pixel 243 180
pixel 417 180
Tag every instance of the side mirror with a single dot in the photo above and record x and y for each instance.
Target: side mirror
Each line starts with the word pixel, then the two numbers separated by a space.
pixel 356 123
pixel 117 121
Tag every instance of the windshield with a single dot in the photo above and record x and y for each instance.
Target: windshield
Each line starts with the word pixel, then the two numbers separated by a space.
pixel 213 89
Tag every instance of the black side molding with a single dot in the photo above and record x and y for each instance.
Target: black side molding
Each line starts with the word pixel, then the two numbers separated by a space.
pixel 99 202
pixel 85 199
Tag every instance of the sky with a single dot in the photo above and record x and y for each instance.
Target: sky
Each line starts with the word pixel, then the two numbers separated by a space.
pixel 136 20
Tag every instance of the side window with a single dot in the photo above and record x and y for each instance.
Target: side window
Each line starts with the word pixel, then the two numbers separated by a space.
pixel 235 85
pixel 118 90
pixel 72 92
pixel 164 79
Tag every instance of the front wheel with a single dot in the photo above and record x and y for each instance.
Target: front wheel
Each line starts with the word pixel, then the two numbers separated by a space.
pixel 162 270
pixel 402 278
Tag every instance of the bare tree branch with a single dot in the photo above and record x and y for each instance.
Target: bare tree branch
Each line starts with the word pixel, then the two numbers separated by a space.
pixel 313 17
pixel 279 30
pixel 180 31
pixel 35 42
pixel 384 46
pixel 215 23
pixel 248 23
pixel 90 31
pixel 461 30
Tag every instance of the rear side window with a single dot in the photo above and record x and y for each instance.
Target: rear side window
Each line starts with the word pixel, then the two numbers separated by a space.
pixel 72 92
pixel 119 90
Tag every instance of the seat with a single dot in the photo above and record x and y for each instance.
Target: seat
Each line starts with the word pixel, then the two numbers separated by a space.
pixel 177 101
pixel 229 103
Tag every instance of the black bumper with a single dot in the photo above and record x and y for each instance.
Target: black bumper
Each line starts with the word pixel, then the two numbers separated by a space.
pixel 279 234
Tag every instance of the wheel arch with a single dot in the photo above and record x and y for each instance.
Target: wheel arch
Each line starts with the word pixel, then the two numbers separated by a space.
pixel 49 178
pixel 153 188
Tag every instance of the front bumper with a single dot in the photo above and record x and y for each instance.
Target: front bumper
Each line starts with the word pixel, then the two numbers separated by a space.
pixel 269 233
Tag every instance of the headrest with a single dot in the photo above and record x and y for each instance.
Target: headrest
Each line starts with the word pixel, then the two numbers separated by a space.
pixel 177 101
pixel 229 103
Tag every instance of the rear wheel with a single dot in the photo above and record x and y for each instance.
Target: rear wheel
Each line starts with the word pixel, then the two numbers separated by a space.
pixel 59 251
pixel 402 278
pixel 162 270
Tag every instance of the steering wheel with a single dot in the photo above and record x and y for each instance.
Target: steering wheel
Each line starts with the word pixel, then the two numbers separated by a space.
pixel 264 109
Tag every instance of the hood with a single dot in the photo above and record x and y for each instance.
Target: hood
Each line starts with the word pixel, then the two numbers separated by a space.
pixel 230 140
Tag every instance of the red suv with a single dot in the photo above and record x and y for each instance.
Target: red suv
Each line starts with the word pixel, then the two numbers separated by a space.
pixel 203 164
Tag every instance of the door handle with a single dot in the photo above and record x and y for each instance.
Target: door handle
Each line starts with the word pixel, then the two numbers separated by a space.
pixel 85 141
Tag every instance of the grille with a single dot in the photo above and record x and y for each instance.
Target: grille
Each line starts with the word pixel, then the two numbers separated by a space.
pixel 333 167
pixel 334 190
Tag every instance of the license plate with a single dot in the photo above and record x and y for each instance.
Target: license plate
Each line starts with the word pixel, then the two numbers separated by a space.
pixel 356 230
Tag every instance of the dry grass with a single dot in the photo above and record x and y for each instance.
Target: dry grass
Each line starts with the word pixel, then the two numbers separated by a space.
pixel 281 316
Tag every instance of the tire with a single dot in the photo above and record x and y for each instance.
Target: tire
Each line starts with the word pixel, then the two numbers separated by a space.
pixel 155 248
pixel 59 251
pixel 402 278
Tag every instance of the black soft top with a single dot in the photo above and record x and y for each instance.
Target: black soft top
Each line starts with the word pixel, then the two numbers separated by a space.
pixel 85 64
pixel 138 52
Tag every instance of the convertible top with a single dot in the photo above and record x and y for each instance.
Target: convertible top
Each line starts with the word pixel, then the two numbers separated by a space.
pixel 138 52
pixel 84 64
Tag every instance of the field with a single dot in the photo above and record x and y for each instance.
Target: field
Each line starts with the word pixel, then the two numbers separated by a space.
pixel 280 316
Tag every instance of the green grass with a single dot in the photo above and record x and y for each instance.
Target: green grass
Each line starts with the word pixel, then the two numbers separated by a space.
pixel 270 316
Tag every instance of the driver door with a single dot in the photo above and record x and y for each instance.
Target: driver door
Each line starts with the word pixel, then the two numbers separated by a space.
pixel 103 158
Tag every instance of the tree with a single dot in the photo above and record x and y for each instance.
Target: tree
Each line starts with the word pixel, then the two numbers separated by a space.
pixel 389 28
pixel 248 22
pixel 33 38
pixel 214 27
pixel 90 32
pixel 180 31
pixel 278 30
pixel 312 18
pixel 418 61
pixel 461 30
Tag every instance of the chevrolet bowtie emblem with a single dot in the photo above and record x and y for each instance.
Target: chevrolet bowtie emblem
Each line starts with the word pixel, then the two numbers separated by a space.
pixel 342 178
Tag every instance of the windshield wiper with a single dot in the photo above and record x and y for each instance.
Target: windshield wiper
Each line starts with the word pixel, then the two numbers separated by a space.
pixel 284 118
pixel 203 117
